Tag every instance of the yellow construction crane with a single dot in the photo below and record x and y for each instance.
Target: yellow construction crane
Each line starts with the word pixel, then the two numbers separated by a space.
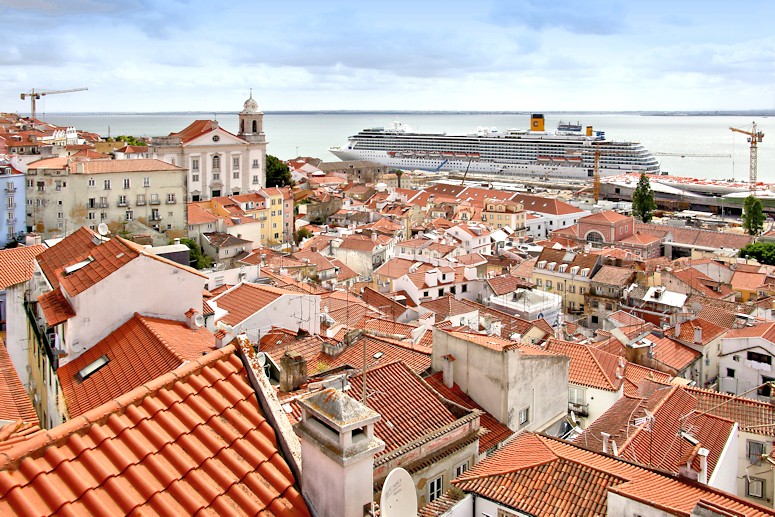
pixel 754 137
pixel 35 95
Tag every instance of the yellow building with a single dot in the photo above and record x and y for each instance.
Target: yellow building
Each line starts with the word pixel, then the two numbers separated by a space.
pixel 499 213
pixel 567 274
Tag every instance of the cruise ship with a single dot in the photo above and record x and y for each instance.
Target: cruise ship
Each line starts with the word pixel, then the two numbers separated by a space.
pixel 567 153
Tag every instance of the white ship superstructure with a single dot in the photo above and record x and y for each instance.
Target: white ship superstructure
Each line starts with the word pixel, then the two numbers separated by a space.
pixel 567 153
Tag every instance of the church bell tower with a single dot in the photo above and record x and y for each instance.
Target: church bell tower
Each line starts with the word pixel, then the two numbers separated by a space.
pixel 251 122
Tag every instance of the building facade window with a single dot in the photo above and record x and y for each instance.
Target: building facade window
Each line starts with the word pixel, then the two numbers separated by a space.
pixel 255 180
pixel 129 215
pixel 195 177
pixel 524 416
pixel 92 183
pixel 255 164
pixel 755 451
pixel 235 163
pixel 121 200
pixel 127 183
pixel 461 469
pixel 195 164
pixel 435 488
pixel 147 180
pixel 235 175
pixel 170 198
pixel 755 487
pixel 106 184
pixel 216 162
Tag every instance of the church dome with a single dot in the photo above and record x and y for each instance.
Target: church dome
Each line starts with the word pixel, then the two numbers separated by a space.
pixel 250 106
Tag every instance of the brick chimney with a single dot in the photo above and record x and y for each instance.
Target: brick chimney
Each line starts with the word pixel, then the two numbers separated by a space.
pixel 337 451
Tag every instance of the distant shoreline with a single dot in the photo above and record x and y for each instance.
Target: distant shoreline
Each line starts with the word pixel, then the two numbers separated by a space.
pixel 720 113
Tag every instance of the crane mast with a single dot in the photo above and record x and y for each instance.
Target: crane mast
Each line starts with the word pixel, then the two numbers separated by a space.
pixel 754 137
pixel 35 95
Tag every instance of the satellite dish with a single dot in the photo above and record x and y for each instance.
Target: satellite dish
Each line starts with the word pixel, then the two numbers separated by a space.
pixel 102 229
pixel 261 359
pixel 199 320
pixel 399 497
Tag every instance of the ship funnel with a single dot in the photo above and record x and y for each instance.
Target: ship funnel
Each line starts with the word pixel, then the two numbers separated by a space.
pixel 589 130
pixel 537 122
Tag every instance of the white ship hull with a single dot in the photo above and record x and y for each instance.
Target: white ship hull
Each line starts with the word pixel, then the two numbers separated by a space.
pixel 519 170
pixel 565 154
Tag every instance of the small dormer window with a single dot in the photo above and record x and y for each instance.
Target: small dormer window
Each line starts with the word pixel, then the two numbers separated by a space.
pixel 541 264
pixel 562 268
pixel 574 270
pixel 585 271
pixel 551 266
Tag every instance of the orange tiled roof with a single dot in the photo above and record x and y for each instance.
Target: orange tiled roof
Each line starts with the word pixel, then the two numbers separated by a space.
pixel 15 404
pixel 659 443
pixel 609 216
pixel 410 408
pixel 139 351
pixel 743 281
pixel 447 306
pixel 589 366
pixel 193 440
pixel 672 353
pixel 64 253
pixel 495 432
pixel 546 476
pixel 753 416
pixel 56 309
pixel 17 264
pixel 247 299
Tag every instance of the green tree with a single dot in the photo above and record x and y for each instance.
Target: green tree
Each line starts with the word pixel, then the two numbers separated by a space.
pixel 301 234
pixel 277 173
pixel 196 258
pixel 643 203
pixel 763 252
pixel 753 216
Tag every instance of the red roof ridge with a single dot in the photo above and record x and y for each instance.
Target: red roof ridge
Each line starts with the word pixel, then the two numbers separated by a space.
pixel 538 447
pixel 36 444
pixel 144 321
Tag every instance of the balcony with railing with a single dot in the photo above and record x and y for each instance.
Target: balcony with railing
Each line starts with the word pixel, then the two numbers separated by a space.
pixel 154 201
pixel 578 409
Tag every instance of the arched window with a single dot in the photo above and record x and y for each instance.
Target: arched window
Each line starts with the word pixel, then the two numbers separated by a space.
pixel 255 126
pixel 594 236
pixel 216 162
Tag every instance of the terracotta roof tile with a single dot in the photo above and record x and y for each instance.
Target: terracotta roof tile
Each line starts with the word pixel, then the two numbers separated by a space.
pixel 65 253
pixel 589 366
pixel 659 443
pixel 56 309
pixel 246 299
pixel 139 351
pixel 672 353
pixel 15 404
pixel 17 265
pixel 546 477
pixel 191 441
pixel 447 306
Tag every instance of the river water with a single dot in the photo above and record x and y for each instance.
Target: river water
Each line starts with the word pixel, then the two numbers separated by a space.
pixel 310 134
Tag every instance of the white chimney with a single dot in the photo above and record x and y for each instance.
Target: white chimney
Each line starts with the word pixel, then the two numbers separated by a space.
pixel 337 451
pixel 703 454
pixel 432 277
pixel 677 329
pixel 448 370
pixel 606 437
pixel 698 335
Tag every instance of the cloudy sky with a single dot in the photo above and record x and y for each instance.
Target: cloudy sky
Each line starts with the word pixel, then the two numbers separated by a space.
pixel 191 55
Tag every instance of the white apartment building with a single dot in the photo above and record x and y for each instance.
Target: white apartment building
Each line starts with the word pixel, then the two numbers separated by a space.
pixel 218 162
pixel 64 195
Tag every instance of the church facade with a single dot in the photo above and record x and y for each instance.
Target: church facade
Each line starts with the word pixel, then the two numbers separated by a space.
pixel 219 163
